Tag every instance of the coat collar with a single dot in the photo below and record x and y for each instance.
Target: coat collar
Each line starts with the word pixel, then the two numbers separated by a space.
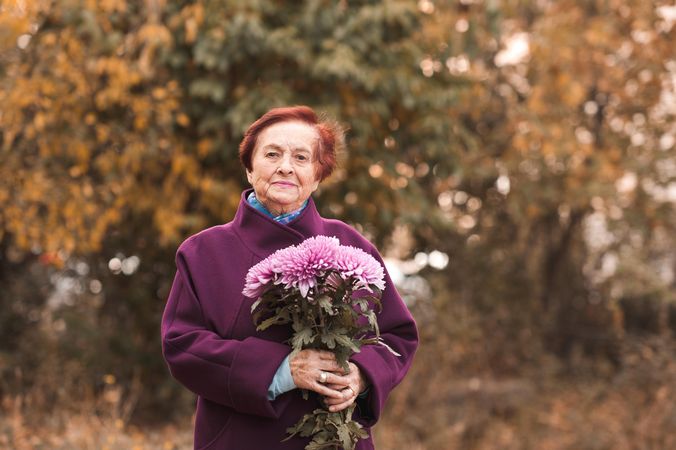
pixel 262 235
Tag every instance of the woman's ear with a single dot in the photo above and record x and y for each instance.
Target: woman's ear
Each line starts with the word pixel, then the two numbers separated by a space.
pixel 249 176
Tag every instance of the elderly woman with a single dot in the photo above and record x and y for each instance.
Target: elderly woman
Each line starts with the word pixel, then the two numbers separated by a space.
pixel 248 388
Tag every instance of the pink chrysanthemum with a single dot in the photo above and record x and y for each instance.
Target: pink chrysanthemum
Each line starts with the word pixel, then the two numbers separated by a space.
pixel 294 270
pixel 300 266
pixel 259 276
pixel 356 263
pixel 320 252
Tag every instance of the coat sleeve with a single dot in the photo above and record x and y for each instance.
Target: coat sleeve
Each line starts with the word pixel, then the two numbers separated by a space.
pixel 382 369
pixel 234 373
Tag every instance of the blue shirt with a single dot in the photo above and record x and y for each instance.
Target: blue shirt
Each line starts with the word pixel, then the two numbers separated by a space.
pixel 282 381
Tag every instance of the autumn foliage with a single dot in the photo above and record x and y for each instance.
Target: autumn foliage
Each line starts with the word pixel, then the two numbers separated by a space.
pixel 531 142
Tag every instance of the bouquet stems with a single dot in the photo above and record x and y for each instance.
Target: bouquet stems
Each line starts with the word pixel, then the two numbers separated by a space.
pixel 329 430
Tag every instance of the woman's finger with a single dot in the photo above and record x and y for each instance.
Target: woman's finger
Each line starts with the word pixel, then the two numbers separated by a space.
pixel 347 394
pixel 305 377
pixel 350 379
pixel 343 405
pixel 325 355
pixel 337 381
pixel 357 377
pixel 327 392
pixel 331 366
pixel 321 359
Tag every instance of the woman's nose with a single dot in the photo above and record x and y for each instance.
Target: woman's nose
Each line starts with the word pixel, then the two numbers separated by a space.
pixel 285 165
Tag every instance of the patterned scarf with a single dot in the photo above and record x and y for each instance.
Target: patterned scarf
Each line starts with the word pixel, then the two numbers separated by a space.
pixel 282 218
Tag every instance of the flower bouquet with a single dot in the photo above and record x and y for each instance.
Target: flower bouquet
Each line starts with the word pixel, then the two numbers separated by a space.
pixel 322 289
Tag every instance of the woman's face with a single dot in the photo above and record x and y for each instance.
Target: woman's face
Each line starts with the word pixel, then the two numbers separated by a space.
pixel 283 166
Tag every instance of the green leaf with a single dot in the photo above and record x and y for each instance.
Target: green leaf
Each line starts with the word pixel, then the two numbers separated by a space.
pixel 300 426
pixel 347 342
pixel 302 338
pixel 358 430
pixel 373 321
pixel 255 304
pixel 325 302
pixel 329 339
pixel 342 357
pixel 345 436
pixel 274 320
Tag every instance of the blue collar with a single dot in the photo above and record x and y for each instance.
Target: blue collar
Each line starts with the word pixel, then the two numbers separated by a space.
pixel 282 218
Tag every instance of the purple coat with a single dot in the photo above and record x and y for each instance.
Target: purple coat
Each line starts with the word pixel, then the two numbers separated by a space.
pixel 212 348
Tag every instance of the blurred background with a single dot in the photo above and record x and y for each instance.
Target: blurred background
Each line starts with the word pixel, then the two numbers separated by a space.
pixel 515 161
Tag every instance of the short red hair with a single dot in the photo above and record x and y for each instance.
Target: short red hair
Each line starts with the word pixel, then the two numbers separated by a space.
pixel 331 136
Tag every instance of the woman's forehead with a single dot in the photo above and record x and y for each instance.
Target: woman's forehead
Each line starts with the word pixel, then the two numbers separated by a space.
pixel 289 134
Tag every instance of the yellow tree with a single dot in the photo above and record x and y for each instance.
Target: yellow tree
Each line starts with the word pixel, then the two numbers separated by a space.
pixel 89 125
pixel 119 130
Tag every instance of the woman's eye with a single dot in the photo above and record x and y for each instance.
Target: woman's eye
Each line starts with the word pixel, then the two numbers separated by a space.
pixel 271 154
pixel 302 157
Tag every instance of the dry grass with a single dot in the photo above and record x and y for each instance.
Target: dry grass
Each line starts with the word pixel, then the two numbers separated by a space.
pixel 544 408
pixel 86 421
pixel 593 409
pixel 85 432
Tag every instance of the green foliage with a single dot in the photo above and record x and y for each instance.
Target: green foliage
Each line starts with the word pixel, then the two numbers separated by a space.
pixel 328 319
pixel 119 132
pixel 329 429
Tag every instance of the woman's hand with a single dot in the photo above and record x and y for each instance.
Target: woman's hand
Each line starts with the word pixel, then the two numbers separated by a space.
pixel 350 385
pixel 316 370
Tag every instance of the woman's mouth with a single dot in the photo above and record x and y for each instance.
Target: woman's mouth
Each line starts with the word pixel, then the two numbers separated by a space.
pixel 283 184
